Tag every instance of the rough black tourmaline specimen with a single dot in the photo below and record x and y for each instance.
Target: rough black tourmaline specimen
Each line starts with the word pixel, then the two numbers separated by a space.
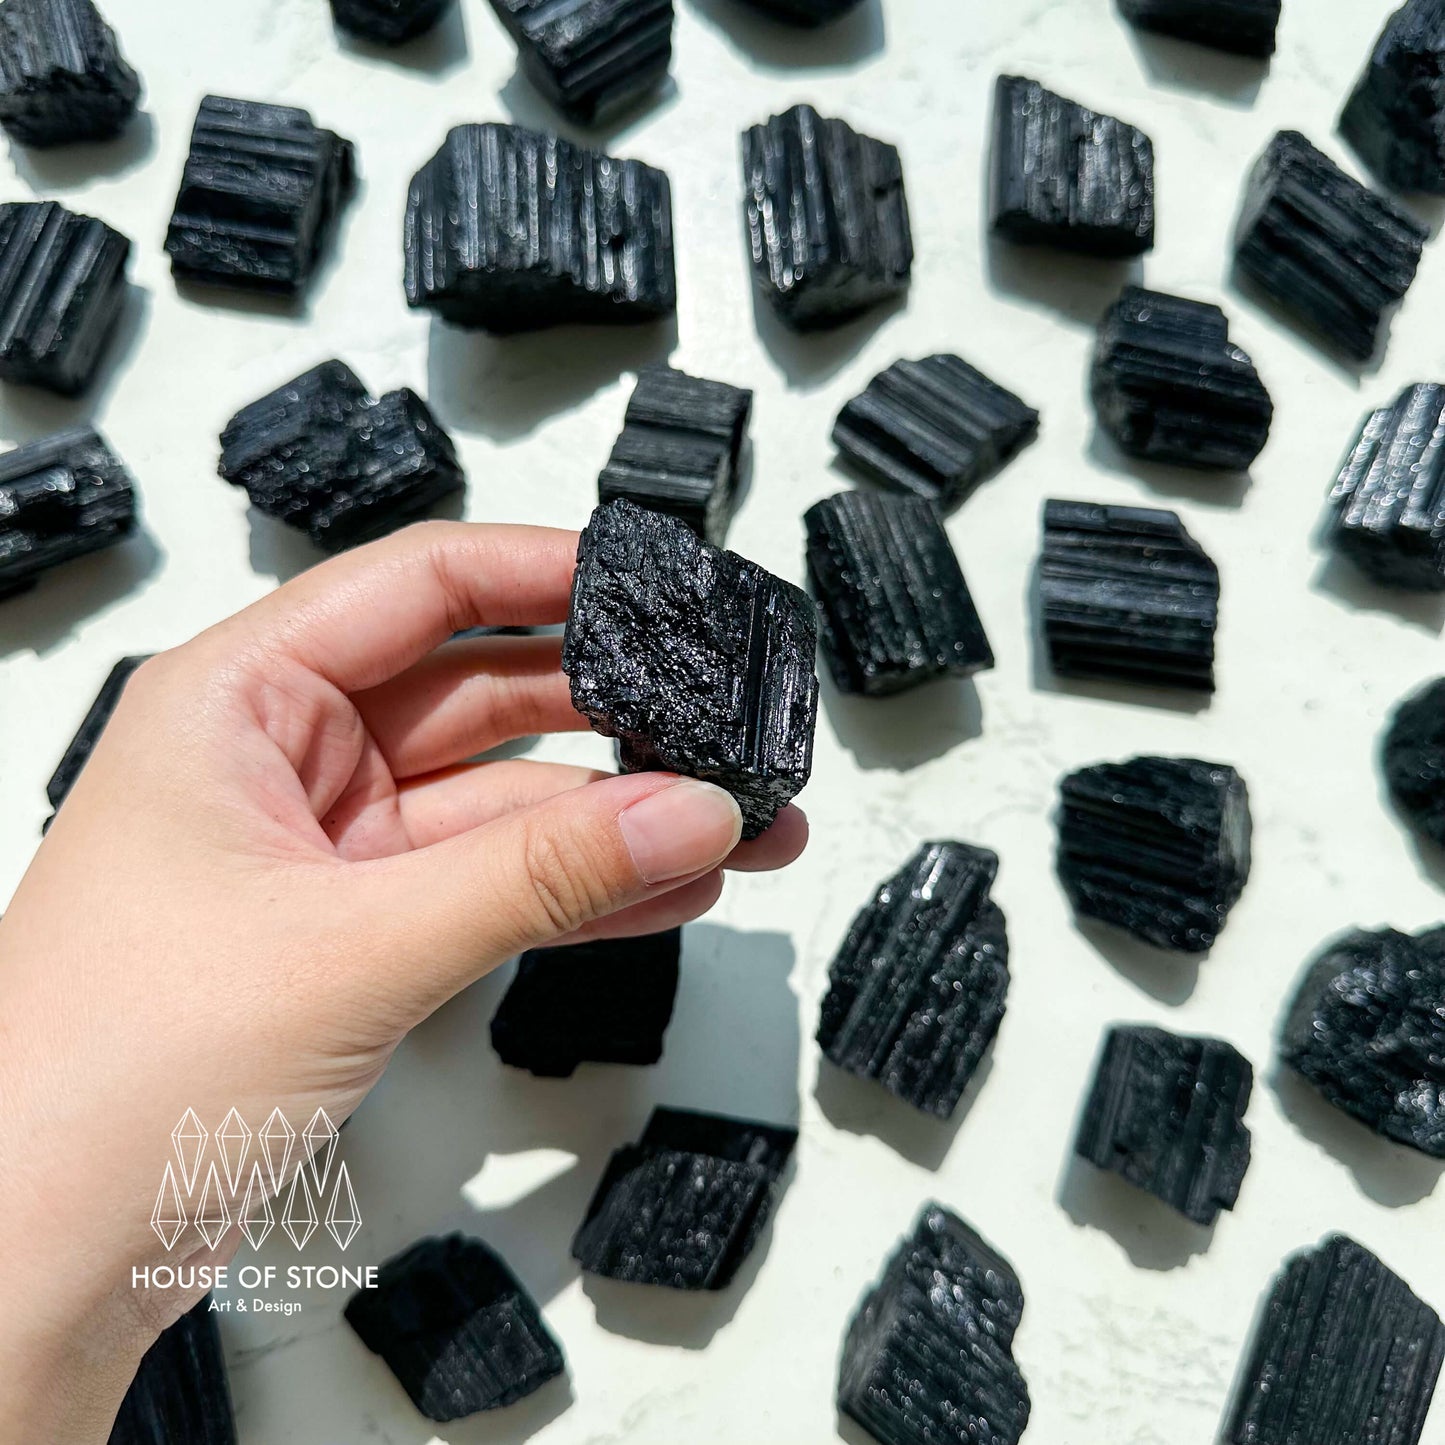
pixel 934 427
pixel 77 754
pixel 929 1357
pixel 322 455
pixel 180 1392
pixel 698 661
pixel 512 230
pixel 1065 176
pixel 827 218
pixel 388 22
pixel 681 450
pixel 455 1328
pixel 917 990
pixel 1344 1353
pixel 1126 593
pixel 1156 846
pixel 805 12
pixel 684 1206
pixel 1332 252
pixel 1414 759
pixel 893 609
pixel 260 194
pixel 1244 26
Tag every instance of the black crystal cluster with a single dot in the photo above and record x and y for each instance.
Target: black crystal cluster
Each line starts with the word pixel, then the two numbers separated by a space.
pixel 388 22
pixel 180 1392
pixel 1414 759
pixel 78 752
pixel 1246 27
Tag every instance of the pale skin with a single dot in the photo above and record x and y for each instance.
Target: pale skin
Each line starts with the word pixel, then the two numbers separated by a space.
pixel 277 862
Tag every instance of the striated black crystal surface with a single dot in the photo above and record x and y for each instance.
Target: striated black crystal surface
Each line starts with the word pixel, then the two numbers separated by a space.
pixel 1244 26
pixel 388 22
pixel 1414 759
pixel 827 218
pixel 684 1206
pixel 917 990
pixel 1126 593
pixel 934 427
pixel 180 1393
pixel 805 12
pixel 681 450
pixel 1343 1352
pixel 928 1359
pixel 77 754
pixel 1332 252
pixel 698 661
pixel 455 1328
pixel 323 456
pixel 511 230
pixel 1063 175
pixel 1156 846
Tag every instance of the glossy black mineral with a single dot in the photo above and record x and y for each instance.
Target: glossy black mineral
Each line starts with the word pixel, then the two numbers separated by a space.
pixel 180 1393
pixel 511 230
pixel 1344 1353
pixel 1063 175
pixel 893 608
pixel 455 1328
pixel 928 1359
pixel 698 661
pixel 936 428
pixel 1156 846
pixel 1245 27
pixel 681 450
pixel 62 289
pixel 916 992
pixel 805 12
pixel 1414 759
pixel 322 455
pixel 77 754
pixel 684 1206
pixel 827 218
pixel 1126 594
pixel 1331 252
pixel 388 22
pixel 260 195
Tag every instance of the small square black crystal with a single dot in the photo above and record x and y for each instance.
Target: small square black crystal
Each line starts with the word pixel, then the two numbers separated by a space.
pixel 388 22
pixel 1246 27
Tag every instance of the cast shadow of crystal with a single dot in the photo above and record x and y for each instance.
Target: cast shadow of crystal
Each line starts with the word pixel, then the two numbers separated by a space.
pixel 774 44
pixel 1082 288
pixel 1181 65
pixel 1169 977
pixel 527 106
pixel 48 169
pixel 439 51
pixel 513 1426
pixel 1207 488
pixel 1345 582
pixel 900 732
pixel 807 359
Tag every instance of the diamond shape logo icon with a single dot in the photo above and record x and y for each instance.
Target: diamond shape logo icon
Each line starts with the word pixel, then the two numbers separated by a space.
pixel 256 1218
pixel 168 1218
pixel 298 1219
pixel 233 1139
pixel 189 1140
pixel 343 1218
pixel 320 1137
pixel 277 1138
pixel 213 1219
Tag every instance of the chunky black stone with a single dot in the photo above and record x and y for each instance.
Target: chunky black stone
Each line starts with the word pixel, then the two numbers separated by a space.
pixel 259 198
pixel 1333 253
pixel 388 22
pixel 917 990
pixel 1244 26
pixel 1125 593
pixel 323 456
pixel 180 1392
pixel 77 754
pixel 1414 759
pixel 681 450
pixel 684 1206
pixel 805 12
pixel 827 218
pixel 1344 1351
pixel 1156 846
pixel 455 1328
pixel 1063 175
pixel 512 230
pixel 928 1359
pixel 893 608
pixel 698 661
pixel 934 427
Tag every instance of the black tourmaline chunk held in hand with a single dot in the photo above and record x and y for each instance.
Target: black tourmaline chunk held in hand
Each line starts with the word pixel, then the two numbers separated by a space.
pixel 698 661
pixel 928 1359
pixel 1414 759
pixel 77 754
pixel 916 992
pixel 388 22
pixel 1332 252
pixel 827 218
pixel 1244 26
pixel 684 1206
pixel 1167 1114
pixel 1156 846
pixel 1065 176
pixel 1344 1353
pixel 180 1393
pixel 455 1328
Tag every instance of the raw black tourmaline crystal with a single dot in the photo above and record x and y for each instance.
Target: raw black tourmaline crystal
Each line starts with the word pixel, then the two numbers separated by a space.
pixel 88 734
pixel 893 608
pixel 805 12
pixel 323 456
pixel 1126 593
pixel 917 990
pixel 1414 759
pixel 680 450
pixel 1066 176
pixel 1167 1114
pixel 1344 1353
pixel 1244 26
pixel 929 1357
pixel 684 1206
pixel 512 230
pixel 259 196
pixel 1156 846
pixel 455 1328
pixel 1332 252
pixel 698 661
pixel 62 76
pixel 180 1393
pixel 827 218
pixel 388 22
pixel 934 427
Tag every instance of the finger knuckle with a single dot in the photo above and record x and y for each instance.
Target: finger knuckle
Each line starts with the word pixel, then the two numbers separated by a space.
pixel 565 891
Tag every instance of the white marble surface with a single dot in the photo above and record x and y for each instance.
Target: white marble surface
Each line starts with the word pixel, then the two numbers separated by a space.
pixel 1134 1322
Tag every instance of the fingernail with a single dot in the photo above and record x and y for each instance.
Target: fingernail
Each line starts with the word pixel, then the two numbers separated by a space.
pixel 686 828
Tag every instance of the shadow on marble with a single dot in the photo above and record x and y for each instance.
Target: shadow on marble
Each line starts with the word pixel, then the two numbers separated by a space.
pixel 900 732
pixel 1080 287
pixel 1338 578
pixel 611 132
pixel 1193 484
pixel 1169 977
pixel 775 45
pixel 48 169
pixel 807 359
pixel 1175 64
pixel 438 52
